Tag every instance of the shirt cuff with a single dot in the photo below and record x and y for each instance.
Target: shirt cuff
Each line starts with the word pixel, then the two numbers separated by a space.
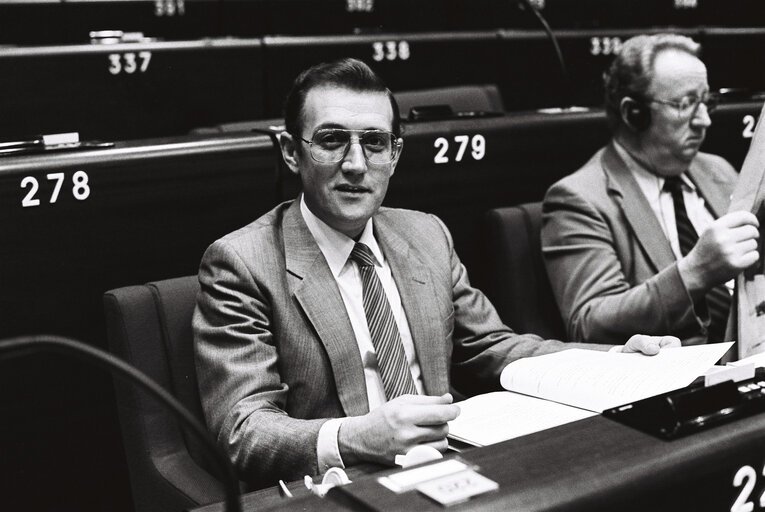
pixel 616 348
pixel 327 449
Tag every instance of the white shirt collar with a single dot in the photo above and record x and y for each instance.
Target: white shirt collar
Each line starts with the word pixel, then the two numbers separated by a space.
pixel 334 245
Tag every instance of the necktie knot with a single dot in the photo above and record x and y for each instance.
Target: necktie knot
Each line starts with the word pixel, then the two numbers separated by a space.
pixel 673 185
pixel 362 255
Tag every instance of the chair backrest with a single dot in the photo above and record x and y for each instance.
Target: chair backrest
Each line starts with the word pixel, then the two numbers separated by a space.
pixel 519 286
pixel 149 326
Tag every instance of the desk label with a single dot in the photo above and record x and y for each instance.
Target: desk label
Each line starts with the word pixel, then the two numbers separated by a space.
pixel 456 488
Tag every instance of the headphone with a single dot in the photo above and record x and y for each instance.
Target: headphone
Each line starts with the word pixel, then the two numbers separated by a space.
pixel 638 115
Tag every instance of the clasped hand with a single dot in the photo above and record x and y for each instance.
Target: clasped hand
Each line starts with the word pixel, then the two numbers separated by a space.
pixel 396 427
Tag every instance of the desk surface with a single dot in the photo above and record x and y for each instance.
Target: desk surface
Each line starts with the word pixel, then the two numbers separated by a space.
pixel 593 464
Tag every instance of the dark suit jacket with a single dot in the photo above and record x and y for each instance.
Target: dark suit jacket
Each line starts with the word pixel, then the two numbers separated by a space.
pixel 276 354
pixel 611 267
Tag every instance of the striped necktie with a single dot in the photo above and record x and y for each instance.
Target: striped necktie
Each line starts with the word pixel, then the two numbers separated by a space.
pixel 718 298
pixel 391 360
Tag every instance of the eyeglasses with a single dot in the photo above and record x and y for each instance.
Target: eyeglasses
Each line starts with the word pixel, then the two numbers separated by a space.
pixel 687 106
pixel 331 145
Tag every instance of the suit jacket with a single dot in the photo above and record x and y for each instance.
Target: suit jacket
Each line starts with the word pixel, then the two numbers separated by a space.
pixel 610 265
pixel 276 354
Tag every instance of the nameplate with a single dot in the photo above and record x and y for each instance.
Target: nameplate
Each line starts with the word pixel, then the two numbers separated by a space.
pixel 457 488
pixel 407 480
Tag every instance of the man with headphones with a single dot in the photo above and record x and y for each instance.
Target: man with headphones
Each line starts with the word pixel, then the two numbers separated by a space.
pixel 638 239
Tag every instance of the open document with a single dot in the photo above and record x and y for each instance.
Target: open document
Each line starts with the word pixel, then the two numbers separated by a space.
pixel 749 195
pixel 550 390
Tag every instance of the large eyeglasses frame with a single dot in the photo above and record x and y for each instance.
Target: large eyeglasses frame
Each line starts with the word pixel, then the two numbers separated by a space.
pixel 332 156
pixel 688 106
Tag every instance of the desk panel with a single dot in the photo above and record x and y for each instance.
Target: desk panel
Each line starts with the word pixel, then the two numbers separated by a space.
pixel 129 91
pixel 98 220
pixel 735 57
pixel 26 22
pixel 648 14
pixel 533 75
pixel 406 60
pixel 460 169
pixel 316 17
pixel 597 464
pixel 590 465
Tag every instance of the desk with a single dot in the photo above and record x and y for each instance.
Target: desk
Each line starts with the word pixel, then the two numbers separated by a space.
pixel 593 464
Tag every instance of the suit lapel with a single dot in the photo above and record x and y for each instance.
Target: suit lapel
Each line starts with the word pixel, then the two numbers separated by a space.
pixel 711 188
pixel 625 190
pixel 415 286
pixel 318 295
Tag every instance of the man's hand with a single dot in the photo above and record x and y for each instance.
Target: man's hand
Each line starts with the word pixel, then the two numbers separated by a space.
pixel 649 345
pixel 396 427
pixel 726 248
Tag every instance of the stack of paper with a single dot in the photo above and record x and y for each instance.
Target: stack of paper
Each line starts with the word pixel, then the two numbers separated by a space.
pixel 550 390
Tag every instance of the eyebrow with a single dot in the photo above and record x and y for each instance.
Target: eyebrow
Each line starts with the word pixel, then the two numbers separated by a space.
pixel 323 126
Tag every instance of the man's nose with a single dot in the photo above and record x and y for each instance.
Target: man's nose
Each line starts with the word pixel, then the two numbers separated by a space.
pixel 355 160
pixel 701 118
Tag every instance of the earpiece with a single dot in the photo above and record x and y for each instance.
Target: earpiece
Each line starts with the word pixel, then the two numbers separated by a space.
pixel 637 114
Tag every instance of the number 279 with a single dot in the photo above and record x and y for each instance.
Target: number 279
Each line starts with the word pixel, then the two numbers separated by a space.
pixel 477 147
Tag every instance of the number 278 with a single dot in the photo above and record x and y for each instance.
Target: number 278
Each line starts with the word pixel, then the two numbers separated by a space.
pixel 80 187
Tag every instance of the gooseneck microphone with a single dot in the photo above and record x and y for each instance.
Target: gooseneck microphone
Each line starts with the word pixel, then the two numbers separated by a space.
pixel 566 92
pixel 27 345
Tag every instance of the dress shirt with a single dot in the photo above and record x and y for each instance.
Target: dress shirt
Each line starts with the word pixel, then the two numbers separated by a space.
pixel 336 248
pixel 662 204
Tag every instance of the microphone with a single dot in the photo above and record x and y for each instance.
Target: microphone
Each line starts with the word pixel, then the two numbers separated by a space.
pixel 566 94
pixel 27 345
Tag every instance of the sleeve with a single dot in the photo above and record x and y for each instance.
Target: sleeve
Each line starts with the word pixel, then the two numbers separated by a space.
pixel 597 302
pixel 242 394
pixel 481 344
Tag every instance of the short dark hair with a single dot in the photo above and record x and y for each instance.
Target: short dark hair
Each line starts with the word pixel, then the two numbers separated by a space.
pixel 631 71
pixel 344 73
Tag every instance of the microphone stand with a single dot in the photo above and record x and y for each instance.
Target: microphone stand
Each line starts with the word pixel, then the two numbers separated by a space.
pixel 27 345
pixel 566 96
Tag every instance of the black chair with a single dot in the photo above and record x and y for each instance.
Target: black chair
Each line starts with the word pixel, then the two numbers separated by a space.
pixel 519 287
pixel 149 326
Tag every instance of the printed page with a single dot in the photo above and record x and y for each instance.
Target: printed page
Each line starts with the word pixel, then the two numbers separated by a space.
pixel 499 416
pixel 757 360
pixel 600 380
pixel 749 195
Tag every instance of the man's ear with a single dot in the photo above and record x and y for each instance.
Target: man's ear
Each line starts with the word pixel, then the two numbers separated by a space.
pixel 398 155
pixel 289 151
pixel 634 114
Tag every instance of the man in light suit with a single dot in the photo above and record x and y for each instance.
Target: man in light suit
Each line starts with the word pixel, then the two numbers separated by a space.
pixel 294 369
pixel 627 245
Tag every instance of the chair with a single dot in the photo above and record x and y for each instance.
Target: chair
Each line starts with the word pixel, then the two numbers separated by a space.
pixel 149 326
pixel 519 287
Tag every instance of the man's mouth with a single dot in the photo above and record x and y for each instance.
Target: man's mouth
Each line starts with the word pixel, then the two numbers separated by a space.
pixel 355 189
